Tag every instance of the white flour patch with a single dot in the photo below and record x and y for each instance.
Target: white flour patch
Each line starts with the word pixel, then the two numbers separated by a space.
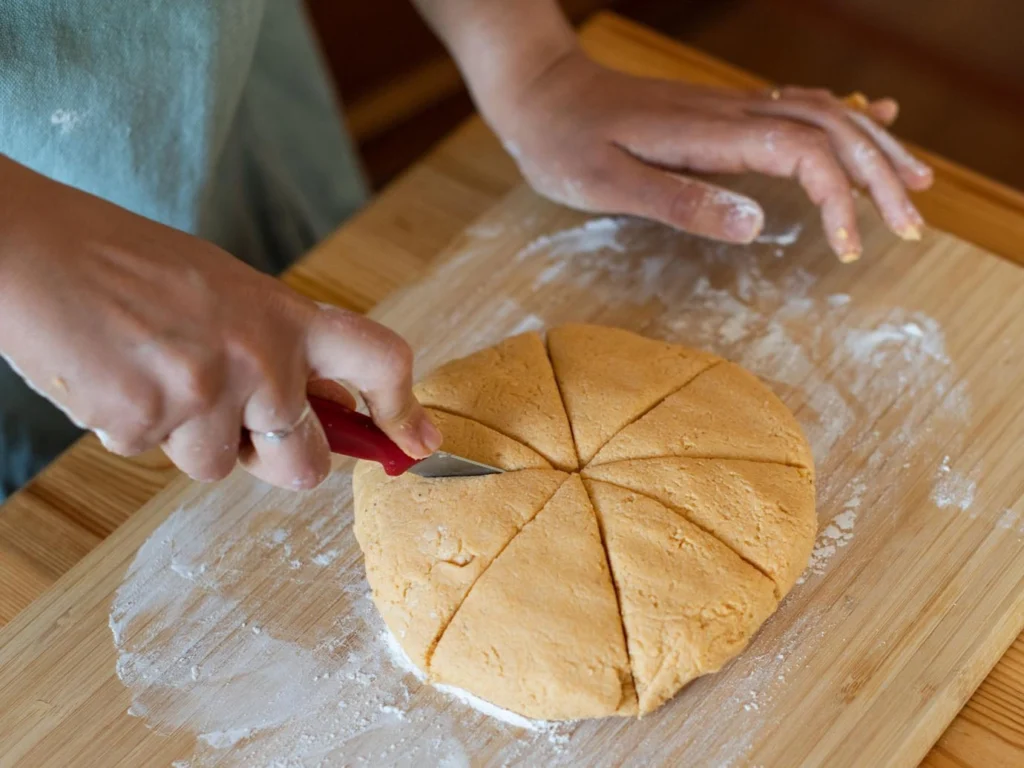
pixel 1009 520
pixel 204 644
pixel 787 236
pixel 485 707
pixel 326 558
pixel 528 323
pixel 66 120
pixel 952 489
pixel 836 534
pixel 592 237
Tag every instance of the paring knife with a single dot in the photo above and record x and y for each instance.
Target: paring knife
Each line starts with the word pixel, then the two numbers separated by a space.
pixel 351 433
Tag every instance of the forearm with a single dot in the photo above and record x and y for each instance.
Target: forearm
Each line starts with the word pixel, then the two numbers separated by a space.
pixel 500 45
pixel 17 188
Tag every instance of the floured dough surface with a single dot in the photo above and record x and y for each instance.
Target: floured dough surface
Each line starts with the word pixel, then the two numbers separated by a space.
pixel 540 632
pixel 421 560
pixel 725 412
pixel 610 377
pixel 657 504
pixel 764 512
pixel 689 603
pixel 511 388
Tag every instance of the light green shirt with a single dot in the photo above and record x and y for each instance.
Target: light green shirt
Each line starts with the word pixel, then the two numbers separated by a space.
pixel 211 116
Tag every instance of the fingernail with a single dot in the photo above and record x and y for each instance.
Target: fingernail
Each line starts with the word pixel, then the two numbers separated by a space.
pixel 857 100
pixel 921 169
pixel 849 253
pixel 910 232
pixel 430 435
pixel 744 218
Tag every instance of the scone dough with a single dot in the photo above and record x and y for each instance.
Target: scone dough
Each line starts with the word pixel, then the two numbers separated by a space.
pixel 657 504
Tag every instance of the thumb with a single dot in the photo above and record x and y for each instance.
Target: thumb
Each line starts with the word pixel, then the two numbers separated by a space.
pixel 344 346
pixel 682 202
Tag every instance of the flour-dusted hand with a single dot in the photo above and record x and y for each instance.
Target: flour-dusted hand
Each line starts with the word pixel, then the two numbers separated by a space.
pixel 149 336
pixel 603 141
pixel 600 140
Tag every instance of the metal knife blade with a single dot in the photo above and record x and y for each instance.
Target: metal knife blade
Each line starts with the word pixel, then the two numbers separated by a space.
pixel 443 464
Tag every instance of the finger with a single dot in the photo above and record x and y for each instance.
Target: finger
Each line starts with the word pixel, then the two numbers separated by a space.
pixel 864 115
pixel 206 447
pixel 773 147
pixel 345 346
pixel 914 173
pixel 299 460
pixel 298 456
pixel 861 157
pixel 681 202
pixel 883 111
pixel 786 149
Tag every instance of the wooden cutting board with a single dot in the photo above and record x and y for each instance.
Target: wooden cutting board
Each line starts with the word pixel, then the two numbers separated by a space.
pixel 230 625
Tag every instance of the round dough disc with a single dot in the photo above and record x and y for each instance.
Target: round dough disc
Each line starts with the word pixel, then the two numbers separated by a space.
pixel 657 503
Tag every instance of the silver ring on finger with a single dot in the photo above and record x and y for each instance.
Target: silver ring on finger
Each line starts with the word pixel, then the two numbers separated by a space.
pixel 281 434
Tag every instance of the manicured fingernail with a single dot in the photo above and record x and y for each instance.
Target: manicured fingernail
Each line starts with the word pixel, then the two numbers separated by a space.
pixel 430 435
pixel 910 232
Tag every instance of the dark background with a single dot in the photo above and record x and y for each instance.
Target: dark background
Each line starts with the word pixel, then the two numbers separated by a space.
pixel 956 66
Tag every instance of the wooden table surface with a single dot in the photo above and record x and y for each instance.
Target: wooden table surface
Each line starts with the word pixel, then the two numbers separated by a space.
pixel 87 493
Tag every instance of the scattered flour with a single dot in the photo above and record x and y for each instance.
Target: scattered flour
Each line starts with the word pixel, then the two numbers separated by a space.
pixel 66 120
pixel 199 646
pixel 335 692
pixel 837 534
pixel 952 490
pixel 528 323
pixel 787 236
pixel 485 707
pixel 326 558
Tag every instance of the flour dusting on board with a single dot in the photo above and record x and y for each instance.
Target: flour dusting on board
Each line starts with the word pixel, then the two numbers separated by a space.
pixel 204 643
pixel 199 646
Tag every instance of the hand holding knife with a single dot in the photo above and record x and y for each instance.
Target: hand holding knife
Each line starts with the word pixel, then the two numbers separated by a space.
pixel 351 433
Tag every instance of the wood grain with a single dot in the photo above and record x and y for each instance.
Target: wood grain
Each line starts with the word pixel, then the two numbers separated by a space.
pixel 76 502
pixel 879 652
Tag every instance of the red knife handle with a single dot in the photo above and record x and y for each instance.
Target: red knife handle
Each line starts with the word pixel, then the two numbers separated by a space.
pixel 351 433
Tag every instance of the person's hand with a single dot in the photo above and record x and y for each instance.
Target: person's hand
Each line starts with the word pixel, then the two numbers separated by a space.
pixel 150 337
pixel 603 141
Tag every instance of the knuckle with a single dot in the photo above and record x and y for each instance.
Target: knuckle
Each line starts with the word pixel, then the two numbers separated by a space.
pixel 200 383
pixel 398 355
pixel 790 133
pixel 682 205
pixel 338 319
pixel 816 149
pixel 146 410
